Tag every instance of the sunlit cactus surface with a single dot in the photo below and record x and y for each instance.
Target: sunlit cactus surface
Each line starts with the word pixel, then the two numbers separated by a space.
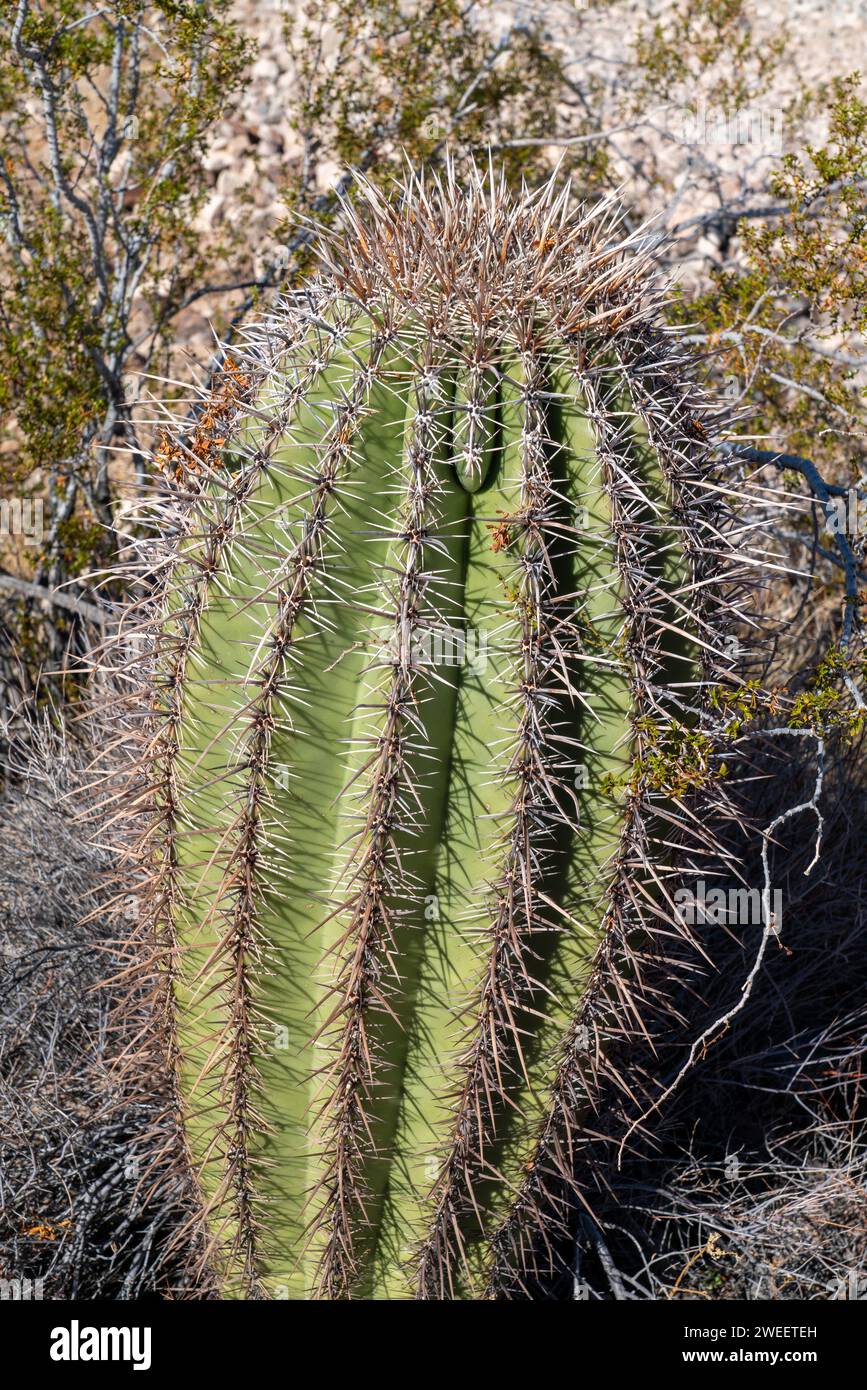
pixel 451 566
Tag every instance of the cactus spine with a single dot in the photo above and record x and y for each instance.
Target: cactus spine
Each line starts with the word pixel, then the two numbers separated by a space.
pixel 457 563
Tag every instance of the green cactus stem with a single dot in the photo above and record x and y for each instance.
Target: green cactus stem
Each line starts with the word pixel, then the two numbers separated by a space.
pixel 461 554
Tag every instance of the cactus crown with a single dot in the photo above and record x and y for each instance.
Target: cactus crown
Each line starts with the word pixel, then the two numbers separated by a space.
pixel 461 559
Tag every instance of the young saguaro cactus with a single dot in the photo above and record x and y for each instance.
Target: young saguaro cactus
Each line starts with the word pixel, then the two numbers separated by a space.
pixel 458 563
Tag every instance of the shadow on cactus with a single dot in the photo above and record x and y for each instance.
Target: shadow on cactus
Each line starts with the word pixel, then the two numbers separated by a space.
pixel 463 559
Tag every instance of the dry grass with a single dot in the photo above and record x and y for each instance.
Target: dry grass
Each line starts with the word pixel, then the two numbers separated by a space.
pixel 750 1182
pixel 90 1193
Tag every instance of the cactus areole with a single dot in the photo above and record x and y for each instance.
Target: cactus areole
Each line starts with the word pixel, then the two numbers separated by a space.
pixel 449 572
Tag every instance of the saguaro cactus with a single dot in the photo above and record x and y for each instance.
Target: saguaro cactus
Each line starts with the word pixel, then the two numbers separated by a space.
pixel 428 666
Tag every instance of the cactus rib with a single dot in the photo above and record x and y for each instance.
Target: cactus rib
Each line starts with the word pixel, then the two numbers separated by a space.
pixel 401 928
